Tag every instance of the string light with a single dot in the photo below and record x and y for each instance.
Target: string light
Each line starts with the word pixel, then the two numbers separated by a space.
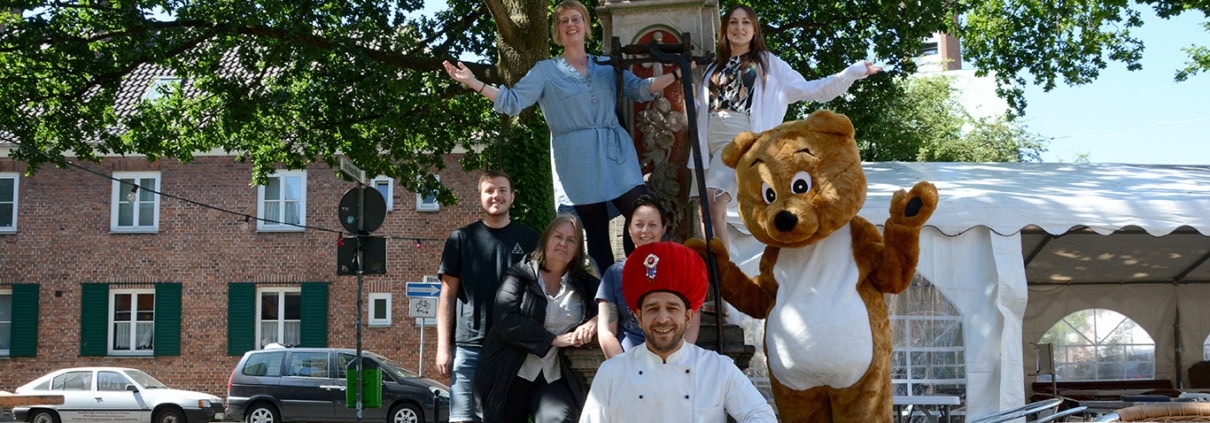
pixel 418 244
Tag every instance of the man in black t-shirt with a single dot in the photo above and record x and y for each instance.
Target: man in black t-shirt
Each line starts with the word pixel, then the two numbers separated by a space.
pixel 472 265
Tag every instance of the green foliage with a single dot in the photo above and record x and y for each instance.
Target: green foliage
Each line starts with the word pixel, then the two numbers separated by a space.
pixel 282 83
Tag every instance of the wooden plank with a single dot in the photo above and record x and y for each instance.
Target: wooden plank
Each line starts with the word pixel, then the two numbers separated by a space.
pixel 10 400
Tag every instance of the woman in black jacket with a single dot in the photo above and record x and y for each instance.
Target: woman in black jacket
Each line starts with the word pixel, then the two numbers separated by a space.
pixel 544 303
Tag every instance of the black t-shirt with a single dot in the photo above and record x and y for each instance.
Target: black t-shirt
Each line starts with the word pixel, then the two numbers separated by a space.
pixel 478 256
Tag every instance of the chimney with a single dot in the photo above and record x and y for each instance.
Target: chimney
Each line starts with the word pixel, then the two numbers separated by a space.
pixel 950 51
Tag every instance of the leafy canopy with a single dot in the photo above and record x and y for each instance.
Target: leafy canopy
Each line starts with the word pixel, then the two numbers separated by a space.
pixel 287 82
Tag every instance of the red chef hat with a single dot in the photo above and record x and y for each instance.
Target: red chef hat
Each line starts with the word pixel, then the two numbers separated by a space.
pixel 664 266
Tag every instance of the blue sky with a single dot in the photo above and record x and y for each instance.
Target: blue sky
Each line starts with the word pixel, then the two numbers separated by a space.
pixel 1132 117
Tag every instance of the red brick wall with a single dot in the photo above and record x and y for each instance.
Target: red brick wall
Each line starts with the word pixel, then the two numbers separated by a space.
pixel 63 240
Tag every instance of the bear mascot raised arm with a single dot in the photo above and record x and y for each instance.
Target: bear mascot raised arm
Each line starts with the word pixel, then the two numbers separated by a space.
pixel 824 270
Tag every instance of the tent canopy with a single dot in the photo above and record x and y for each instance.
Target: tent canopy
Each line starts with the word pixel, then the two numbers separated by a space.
pixel 1158 215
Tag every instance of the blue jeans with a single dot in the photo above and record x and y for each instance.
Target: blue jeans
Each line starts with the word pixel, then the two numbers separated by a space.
pixel 462 394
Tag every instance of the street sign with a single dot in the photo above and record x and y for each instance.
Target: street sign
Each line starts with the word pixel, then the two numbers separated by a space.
pixel 352 170
pixel 350 211
pixel 423 289
pixel 422 307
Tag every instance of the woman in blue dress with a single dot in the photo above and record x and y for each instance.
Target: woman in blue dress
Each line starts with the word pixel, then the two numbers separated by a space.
pixel 594 156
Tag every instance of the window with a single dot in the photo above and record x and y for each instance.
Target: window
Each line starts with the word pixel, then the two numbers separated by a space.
pixel 1205 348
pixel 428 201
pixel 282 202
pixel 132 321
pixel 111 381
pixel 288 314
pixel 928 352
pixel 265 364
pixel 380 309
pixel 134 205
pixel 6 321
pixel 160 87
pixel 1100 344
pixel 386 187
pixel 73 381
pixel 309 364
pixel 8 202
pixel 279 314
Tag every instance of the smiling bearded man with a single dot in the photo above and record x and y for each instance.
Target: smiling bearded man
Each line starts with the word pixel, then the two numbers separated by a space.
pixel 666 379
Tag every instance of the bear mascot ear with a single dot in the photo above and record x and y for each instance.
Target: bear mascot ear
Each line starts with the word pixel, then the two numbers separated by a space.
pixel 830 123
pixel 738 147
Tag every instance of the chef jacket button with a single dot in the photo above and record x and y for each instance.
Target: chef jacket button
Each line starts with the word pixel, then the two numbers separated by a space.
pixel 686 371
pixel 686 397
pixel 640 397
pixel 640 372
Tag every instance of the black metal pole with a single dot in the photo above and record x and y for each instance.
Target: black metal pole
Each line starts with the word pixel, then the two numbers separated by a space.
pixel 361 246
pixel 680 55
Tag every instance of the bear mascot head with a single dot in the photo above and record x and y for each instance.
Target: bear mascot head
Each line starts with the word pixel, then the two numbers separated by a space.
pixel 824 269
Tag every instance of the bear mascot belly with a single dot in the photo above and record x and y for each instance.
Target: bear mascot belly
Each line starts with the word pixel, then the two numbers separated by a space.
pixel 824 270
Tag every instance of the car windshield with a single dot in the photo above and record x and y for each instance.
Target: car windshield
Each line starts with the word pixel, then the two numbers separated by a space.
pixel 145 379
pixel 394 368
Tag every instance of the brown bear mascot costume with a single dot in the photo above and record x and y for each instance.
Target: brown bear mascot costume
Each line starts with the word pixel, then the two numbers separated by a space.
pixel 824 270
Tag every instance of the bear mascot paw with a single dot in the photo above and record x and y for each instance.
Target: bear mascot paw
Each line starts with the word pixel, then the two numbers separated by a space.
pixel 824 270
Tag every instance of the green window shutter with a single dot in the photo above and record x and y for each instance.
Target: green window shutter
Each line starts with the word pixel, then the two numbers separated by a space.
pixel 94 319
pixel 241 317
pixel 167 319
pixel 25 321
pixel 314 324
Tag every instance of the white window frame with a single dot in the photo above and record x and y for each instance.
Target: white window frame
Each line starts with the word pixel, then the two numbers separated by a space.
pixel 120 196
pixel 112 332
pixel 16 178
pixel 389 195
pixel 153 88
pixel 372 309
pixel 9 332
pixel 281 321
pixel 262 223
pixel 428 206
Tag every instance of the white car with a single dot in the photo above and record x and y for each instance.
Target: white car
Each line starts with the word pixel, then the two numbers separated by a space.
pixel 115 394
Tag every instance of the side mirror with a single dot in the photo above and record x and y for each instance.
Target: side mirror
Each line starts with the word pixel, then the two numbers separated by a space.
pixel 130 387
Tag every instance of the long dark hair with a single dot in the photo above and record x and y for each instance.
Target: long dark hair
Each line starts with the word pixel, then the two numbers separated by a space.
pixel 577 260
pixel 756 48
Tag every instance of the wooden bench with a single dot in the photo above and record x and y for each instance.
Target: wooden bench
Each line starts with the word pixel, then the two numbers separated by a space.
pixel 1104 390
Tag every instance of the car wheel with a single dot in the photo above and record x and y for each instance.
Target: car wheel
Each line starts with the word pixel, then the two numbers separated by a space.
pixel 262 413
pixel 169 415
pixel 405 413
pixel 44 416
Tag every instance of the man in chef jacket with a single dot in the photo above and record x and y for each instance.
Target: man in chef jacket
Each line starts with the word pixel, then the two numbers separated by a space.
pixel 666 379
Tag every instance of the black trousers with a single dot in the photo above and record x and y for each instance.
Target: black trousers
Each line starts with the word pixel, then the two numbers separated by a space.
pixel 546 402
pixel 596 223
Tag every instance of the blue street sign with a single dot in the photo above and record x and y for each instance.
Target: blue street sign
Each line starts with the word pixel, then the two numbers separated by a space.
pixel 423 289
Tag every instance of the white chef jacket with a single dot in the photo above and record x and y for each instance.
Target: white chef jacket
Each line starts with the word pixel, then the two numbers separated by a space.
pixel 695 385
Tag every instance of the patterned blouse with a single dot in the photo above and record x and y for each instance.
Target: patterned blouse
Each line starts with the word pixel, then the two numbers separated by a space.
pixel 731 87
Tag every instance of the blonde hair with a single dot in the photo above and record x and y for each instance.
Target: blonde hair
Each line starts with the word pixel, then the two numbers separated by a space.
pixel 578 259
pixel 569 5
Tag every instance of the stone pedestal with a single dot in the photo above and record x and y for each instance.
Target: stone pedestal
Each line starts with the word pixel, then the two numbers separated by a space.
pixel 660 127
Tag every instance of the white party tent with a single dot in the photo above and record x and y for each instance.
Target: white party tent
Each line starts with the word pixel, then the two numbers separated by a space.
pixel 1016 247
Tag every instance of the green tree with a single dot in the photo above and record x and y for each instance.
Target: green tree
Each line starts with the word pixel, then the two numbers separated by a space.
pixel 288 82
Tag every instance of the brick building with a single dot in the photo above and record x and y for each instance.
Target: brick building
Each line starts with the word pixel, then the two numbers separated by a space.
pixel 92 273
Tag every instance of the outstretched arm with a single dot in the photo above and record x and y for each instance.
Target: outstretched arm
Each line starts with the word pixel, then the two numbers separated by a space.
pixel 893 255
pixel 752 296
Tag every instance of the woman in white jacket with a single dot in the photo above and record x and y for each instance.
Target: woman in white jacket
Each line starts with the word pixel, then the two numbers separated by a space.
pixel 748 88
